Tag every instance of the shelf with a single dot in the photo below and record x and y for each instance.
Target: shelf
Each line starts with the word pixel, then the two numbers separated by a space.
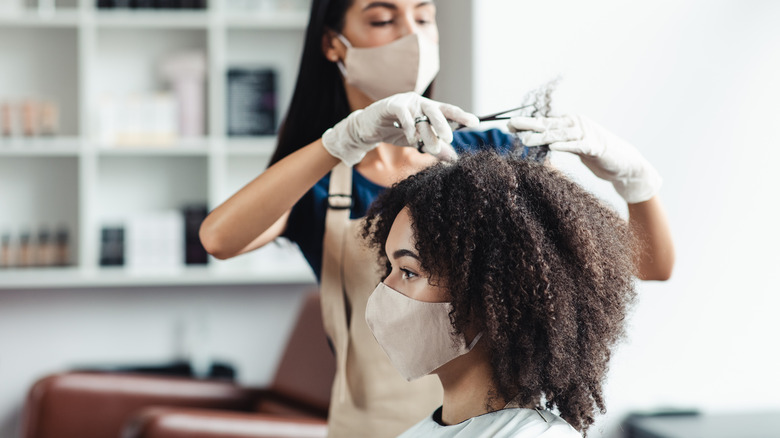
pixel 40 147
pixel 292 19
pixel 129 18
pixel 194 147
pixel 31 18
pixel 138 19
pixel 251 146
pixel 72 146
pixel 64 278
pixel 78 54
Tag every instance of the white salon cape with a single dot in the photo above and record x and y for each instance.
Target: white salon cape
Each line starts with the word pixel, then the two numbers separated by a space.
pixel 505 423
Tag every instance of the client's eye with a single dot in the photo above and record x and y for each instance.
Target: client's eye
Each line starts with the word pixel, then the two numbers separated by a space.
pixel 407 274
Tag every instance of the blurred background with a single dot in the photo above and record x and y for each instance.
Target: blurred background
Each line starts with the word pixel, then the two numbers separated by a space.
pixel 87 176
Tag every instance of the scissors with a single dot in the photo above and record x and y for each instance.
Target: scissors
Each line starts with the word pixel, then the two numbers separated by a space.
pixel 501 115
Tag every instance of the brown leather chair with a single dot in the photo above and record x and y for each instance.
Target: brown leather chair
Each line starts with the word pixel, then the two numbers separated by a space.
pixel 103 405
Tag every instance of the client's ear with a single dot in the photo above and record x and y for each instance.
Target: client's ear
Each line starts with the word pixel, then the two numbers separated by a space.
pixel 332 47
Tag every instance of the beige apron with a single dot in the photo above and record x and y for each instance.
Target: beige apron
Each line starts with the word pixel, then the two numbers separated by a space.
pixel 369 398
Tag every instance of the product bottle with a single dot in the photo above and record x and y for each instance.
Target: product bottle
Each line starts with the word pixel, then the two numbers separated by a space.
pixel 5 251
pixel 50 119
pixel 62 257
pixel 186 72
pixel 6 120
pixel 25 250
pixel 29 118
pixel 46 249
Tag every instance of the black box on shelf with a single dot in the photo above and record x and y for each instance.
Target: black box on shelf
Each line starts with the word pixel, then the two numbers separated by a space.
pixel 251 101
pixel 194 253
pixel 151 4
pixel 112 246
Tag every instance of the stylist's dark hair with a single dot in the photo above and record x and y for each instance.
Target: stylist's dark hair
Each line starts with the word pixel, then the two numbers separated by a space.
pixel 530 258
pixel 319 100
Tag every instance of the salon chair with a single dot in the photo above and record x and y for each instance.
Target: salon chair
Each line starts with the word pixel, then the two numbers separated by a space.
pixel 103 405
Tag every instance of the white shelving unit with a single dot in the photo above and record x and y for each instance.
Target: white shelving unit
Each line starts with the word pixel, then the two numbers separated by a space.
pixel 78 52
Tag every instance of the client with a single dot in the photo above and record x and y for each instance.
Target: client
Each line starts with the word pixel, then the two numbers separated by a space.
pixel 509 282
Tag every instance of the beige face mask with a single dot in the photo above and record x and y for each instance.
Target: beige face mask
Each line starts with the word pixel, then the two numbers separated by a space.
pixel 417 336
pixel 407 64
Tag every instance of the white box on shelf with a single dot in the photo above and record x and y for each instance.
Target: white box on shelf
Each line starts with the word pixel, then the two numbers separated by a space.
pixel 280 256
pixel 154 241
pixel 147 119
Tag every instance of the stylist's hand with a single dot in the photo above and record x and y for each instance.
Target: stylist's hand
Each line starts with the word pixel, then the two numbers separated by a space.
pixel 608 156
pixel 362 130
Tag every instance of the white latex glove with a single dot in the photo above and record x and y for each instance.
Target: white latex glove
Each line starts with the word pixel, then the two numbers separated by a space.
pixel 362 130
pixel 605 154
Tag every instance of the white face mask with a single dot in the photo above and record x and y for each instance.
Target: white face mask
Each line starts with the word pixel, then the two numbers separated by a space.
pixel 407 64
pixel 416 335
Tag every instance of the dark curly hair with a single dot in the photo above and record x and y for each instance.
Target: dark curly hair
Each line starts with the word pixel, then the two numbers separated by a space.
pixel 530 258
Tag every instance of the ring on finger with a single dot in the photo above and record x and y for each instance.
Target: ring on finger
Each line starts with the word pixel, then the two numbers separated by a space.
pixel 421 119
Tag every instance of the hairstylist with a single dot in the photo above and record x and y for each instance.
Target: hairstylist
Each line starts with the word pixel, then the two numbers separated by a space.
pixel 338 149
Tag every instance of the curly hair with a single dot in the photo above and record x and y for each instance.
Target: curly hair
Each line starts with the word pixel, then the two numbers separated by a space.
pixel 530 258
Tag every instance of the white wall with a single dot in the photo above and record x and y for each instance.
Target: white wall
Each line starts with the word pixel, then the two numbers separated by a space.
pixel 695 85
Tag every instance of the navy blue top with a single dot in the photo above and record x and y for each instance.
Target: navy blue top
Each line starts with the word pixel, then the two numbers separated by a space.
pixel 306 224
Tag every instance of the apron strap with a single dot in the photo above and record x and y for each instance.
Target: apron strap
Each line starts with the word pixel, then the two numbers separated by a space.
pixel 334 305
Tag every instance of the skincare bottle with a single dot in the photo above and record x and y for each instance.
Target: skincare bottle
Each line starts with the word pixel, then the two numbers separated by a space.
pixel 5 251
pixel 62 257
pixel 29 118
pixel 45 248
pixel 6 120
pixel 25 250
pixel 49 119
pixel 186 72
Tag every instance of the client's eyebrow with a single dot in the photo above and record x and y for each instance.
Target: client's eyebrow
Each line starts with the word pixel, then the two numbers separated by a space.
pixel 405 253
pixel 388 5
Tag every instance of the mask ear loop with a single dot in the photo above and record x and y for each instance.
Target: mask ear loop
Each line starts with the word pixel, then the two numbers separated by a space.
pixel 474 342
pixel 344 40
pixel 340 63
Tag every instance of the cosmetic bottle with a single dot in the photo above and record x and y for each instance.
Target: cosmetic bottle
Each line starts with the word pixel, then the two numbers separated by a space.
pixel 186 72
pixel 62 247
pixel 29 118
pixel 6 259
pixel 25 250
pixel 49 119
pixel 6 120
pixel 46 249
